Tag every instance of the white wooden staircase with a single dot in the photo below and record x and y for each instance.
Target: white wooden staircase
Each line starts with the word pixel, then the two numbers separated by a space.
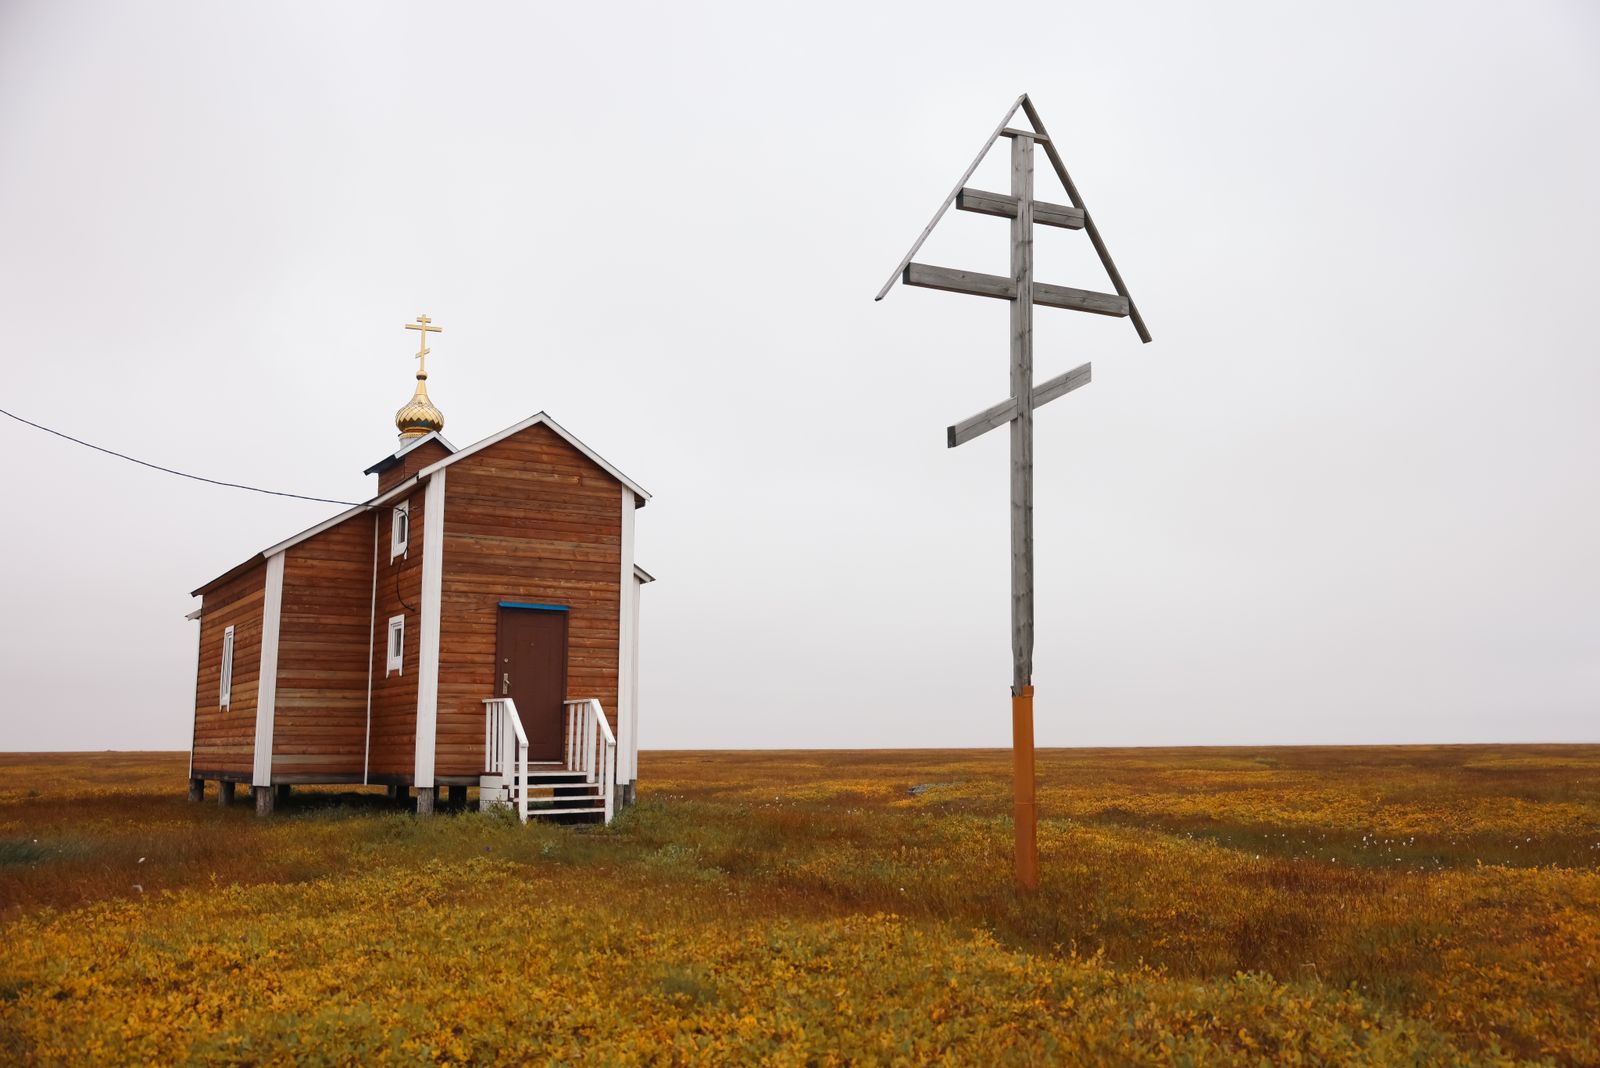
pixel 580 787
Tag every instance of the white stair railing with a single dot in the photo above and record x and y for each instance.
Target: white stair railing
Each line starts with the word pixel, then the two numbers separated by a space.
pixel 505 751
pixel 592 748
pixel 590 751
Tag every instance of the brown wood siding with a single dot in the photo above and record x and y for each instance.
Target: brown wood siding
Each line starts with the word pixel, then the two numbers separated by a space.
pixel 394 697
pixel 412 462
pixel 225 738
pixel 320 721
pixel 528 519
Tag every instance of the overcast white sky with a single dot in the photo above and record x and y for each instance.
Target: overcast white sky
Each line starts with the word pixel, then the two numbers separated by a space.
pixel 1347 495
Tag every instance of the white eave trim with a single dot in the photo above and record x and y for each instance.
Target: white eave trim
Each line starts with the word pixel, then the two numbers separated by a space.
pixel 195 614
pixel 432 435
pixel 641 575
pixel 408 486
pixel 516 428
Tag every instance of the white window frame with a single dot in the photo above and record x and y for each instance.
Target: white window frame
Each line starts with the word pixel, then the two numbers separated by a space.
pixel 397 645
pixel 400 530
pixel 225 685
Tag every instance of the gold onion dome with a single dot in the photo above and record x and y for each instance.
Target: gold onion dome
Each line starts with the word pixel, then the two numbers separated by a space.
pixel 419 417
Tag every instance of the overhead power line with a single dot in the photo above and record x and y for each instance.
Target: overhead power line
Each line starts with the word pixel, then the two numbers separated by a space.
pixel 171 471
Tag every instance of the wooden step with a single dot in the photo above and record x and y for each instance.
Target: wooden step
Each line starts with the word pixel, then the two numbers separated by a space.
pixel 536 780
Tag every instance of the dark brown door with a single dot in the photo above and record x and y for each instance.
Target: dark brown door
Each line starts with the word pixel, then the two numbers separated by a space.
pixel 532 662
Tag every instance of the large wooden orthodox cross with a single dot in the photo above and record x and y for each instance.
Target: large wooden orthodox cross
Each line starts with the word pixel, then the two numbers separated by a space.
pixel 1017 410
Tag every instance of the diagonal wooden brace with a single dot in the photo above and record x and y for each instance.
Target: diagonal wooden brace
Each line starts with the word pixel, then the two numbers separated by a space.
pixel 1006 410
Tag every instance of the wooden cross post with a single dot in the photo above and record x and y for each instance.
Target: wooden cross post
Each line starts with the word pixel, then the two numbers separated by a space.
pixel 1023 293
pixel 1026 809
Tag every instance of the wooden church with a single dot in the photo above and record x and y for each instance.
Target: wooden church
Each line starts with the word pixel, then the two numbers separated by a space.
pixel 475 624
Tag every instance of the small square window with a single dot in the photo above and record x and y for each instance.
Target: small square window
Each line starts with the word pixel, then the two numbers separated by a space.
pixel 397 644
pixel 225 688
pixel 399 529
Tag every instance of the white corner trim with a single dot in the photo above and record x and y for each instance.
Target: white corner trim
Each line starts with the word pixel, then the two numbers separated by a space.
pixel 199 651
pixel 267 691
pixel 428 630
pixel 372 639
pixel 627 645
pixel 633 687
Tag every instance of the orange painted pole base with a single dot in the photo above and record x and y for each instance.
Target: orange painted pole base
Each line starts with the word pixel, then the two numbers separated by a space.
pixel 1025 809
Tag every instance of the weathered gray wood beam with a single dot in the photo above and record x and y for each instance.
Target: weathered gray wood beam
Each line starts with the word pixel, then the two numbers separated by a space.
pixel 1061 385
pixel 1088 221
pixel 985 203
pixel 979 424
pixel 1022 430
pixel 1002 413
pixel 1084 300
pixel 962 181
pixel 1012 131
pixel 977 284
pixel 953 281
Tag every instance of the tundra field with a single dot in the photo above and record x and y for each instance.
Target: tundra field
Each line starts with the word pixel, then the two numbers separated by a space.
pixel 1415 905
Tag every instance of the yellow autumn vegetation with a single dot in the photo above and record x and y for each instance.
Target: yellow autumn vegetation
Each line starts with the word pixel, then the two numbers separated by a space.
pixel 1206 907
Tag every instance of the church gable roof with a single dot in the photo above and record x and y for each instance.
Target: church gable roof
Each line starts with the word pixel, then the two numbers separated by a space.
pixel 539 419
pixel 409 484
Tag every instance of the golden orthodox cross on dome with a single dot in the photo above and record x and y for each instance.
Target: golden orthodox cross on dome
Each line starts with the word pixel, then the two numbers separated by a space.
pixel 424 325
pixel 419 417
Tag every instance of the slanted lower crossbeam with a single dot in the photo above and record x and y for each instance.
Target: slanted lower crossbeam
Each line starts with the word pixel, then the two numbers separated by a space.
pixel 1006 410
